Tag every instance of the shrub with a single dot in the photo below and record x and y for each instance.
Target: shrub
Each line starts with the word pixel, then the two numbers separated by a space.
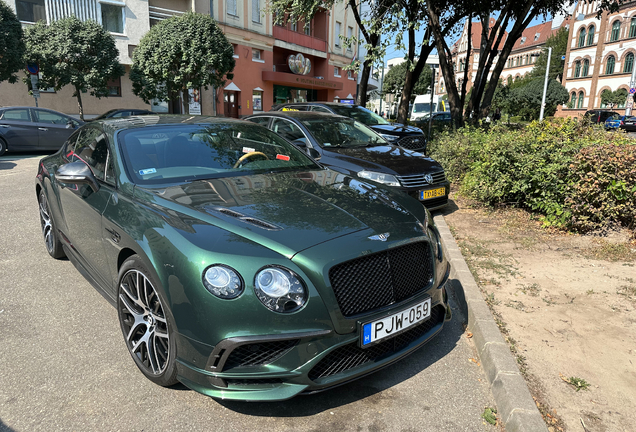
pixel 604 190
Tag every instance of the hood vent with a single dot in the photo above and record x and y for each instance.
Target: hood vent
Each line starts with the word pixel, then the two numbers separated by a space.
pixel 247 219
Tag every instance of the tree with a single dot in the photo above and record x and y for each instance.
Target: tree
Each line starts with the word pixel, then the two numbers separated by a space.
pixel 614 98
pixel 181 53
pixel 559 44
pixel 73 52
pixel 524 99
pixel 11 44
pixel 394 81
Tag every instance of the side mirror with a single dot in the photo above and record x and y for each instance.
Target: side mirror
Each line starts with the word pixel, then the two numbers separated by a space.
pixel 70 125
pixel 77 173
pixel 300 142
pixel 313 153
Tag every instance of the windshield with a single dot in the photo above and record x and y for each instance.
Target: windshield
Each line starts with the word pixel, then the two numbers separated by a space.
pixel 105 115
pixel 176 153
pixel 342 133
pixel 360 114
pixel 424 107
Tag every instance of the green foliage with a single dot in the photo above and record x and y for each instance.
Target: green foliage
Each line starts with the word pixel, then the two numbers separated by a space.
pixel 11 44
pixel 490 415
pixel 394 81
pixel 73 52
pixel 180 53
pixel 559 44
pixel 614 98
pixel 524 97
pixel 574 175
pixel 604 190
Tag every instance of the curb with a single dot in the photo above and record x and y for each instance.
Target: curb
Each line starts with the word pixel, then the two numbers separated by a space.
pixel 515 406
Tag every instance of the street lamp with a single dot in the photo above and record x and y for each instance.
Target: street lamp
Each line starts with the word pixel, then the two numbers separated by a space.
pixel 430 118
pixel 545 84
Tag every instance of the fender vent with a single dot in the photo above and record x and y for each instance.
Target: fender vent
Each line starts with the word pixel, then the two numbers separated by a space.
pixel 247 219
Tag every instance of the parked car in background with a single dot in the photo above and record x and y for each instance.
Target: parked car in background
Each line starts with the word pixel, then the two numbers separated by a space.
pixel 238 265
pixel 440 119
pixel 397 134
pixel 348 146
pixel 614 122
pixel 27 128
pixel 422 106
pixel 599 115
pixel 629 124
pixel 117 113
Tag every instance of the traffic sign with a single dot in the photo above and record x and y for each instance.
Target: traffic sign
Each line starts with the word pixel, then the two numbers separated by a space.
pixel 632 90
pixel 562 57
pixel 33 68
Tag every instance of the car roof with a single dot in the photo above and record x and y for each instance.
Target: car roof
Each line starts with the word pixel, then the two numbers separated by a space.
pixel 301 115
pixel 116 124
pixel 335 104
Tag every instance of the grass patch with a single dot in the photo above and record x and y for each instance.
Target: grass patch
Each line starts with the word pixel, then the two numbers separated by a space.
pixel 490 415
pixel 531 290
pixel 607 251
pixel 578 383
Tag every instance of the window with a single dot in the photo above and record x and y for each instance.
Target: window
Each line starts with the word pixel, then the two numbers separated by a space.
pixel 113 17
pixel 114 87
pixel 287 130
pixel 573 99
pixel 349 36
pixel 294 26
pixel 582 38
pixel 609 67
pixel 350 75
pixel 257 101
pixel 235 46
pixel 17 115
pixel 307 29
pixel 320 109
pixel 30 10
pixel 337 41
pixel 586 67
pixel 257 54
pixel 256 11
pixel 629 63
pixel 590 36
pixel 263 121
pixel 536 36
pixel 616 30
pixel 231 7
pixel 632 28
pixel 580 104
pixel 92 149
pixel 577 69
pixel 336 71
pixel 49 117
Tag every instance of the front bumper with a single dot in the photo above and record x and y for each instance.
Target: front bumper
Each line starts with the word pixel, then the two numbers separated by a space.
pixel 279 367
pixel 432 203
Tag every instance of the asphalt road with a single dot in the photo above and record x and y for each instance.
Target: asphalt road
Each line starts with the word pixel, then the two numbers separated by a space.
pixel 64 365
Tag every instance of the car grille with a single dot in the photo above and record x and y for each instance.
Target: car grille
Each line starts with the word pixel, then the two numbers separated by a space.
pixel 256 381
pixel 382 278
pixel 414 142
pixel 258 354
pixel 351 355
pixel 418 180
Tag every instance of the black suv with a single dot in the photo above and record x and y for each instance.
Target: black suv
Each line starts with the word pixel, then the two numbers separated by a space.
pixel 599 116
pixel 397 134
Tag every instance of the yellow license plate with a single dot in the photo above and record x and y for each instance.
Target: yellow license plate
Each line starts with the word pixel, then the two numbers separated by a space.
pixel 432 193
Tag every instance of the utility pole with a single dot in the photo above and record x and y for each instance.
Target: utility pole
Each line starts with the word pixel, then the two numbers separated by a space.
pixel 381 90
pixel 545 84
pixel 430 118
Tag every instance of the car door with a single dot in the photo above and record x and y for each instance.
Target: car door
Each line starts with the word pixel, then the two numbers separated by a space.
pixel 83 207
pixel 289 130
pixel 18 130
pixel 53 128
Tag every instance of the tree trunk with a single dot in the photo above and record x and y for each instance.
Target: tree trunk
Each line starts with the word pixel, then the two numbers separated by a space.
pixel 364 83
pixel 78 94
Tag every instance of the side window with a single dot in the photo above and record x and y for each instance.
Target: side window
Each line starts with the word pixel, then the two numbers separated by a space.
pixel 287 129
pixel 92 149
pixel 70 146
pixel 49 117
pixel 110 171
pixel 320 109
pixel 296 108
pixel 17 115
pixel 121 114
pixel 263 121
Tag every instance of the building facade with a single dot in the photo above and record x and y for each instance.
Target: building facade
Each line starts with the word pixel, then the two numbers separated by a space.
pixel 263 53
pixel 600 56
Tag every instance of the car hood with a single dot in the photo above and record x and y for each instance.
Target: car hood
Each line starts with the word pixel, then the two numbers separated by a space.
pixel 287 212
pixel 387 159
pixel 397 129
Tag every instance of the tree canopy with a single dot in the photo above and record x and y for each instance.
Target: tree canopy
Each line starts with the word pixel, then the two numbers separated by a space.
pixel 614 98
pixel 11 44
pixel 559 44
pixel 394 81
pixel 181 53
pixel 523 97
pixel 73 52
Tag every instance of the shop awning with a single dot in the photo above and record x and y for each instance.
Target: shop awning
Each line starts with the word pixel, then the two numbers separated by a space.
pixel 232 87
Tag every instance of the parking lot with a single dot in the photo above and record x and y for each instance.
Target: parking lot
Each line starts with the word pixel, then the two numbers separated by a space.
pixel 65 365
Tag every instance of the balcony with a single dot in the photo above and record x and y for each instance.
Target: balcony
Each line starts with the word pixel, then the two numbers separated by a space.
pixel 290 36
pixel 158 11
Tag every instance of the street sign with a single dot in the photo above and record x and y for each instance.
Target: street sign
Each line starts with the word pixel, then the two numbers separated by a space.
pixel 34 88
pixel 562 57
pixel 33 68
pixel 632 90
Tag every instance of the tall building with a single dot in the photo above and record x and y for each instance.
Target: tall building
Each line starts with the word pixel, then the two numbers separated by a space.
pixel 295 61
pixel 600 56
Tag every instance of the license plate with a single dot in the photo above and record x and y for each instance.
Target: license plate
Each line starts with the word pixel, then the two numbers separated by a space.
pixel 432 193
pixel 393 324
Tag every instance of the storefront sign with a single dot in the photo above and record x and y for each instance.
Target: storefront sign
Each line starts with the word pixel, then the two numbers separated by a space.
pixel 298 64
pixel 297 81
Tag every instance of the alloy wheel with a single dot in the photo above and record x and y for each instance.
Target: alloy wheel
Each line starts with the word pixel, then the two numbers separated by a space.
pixel 144 323
pixel 47 226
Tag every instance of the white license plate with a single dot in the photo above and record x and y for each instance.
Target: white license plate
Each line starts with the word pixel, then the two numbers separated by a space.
pixel 393 324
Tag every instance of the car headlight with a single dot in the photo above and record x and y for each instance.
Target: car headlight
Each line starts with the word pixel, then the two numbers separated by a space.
pixel 222 281
pixel 390 138
pixel 386 179
pixel 433 235
pixel 280 289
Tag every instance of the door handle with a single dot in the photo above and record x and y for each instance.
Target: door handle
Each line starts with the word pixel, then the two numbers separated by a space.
pixel 43 129
pixel 114 235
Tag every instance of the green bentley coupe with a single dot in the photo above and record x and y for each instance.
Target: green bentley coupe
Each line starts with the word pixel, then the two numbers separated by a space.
pixel 238 265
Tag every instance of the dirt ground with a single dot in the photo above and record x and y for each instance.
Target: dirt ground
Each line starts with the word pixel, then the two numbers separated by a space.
pixel 566 304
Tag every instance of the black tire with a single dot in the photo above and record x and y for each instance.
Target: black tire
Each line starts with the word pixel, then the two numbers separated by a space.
pixel 3 147
pixel 146 323
pixel 51 239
